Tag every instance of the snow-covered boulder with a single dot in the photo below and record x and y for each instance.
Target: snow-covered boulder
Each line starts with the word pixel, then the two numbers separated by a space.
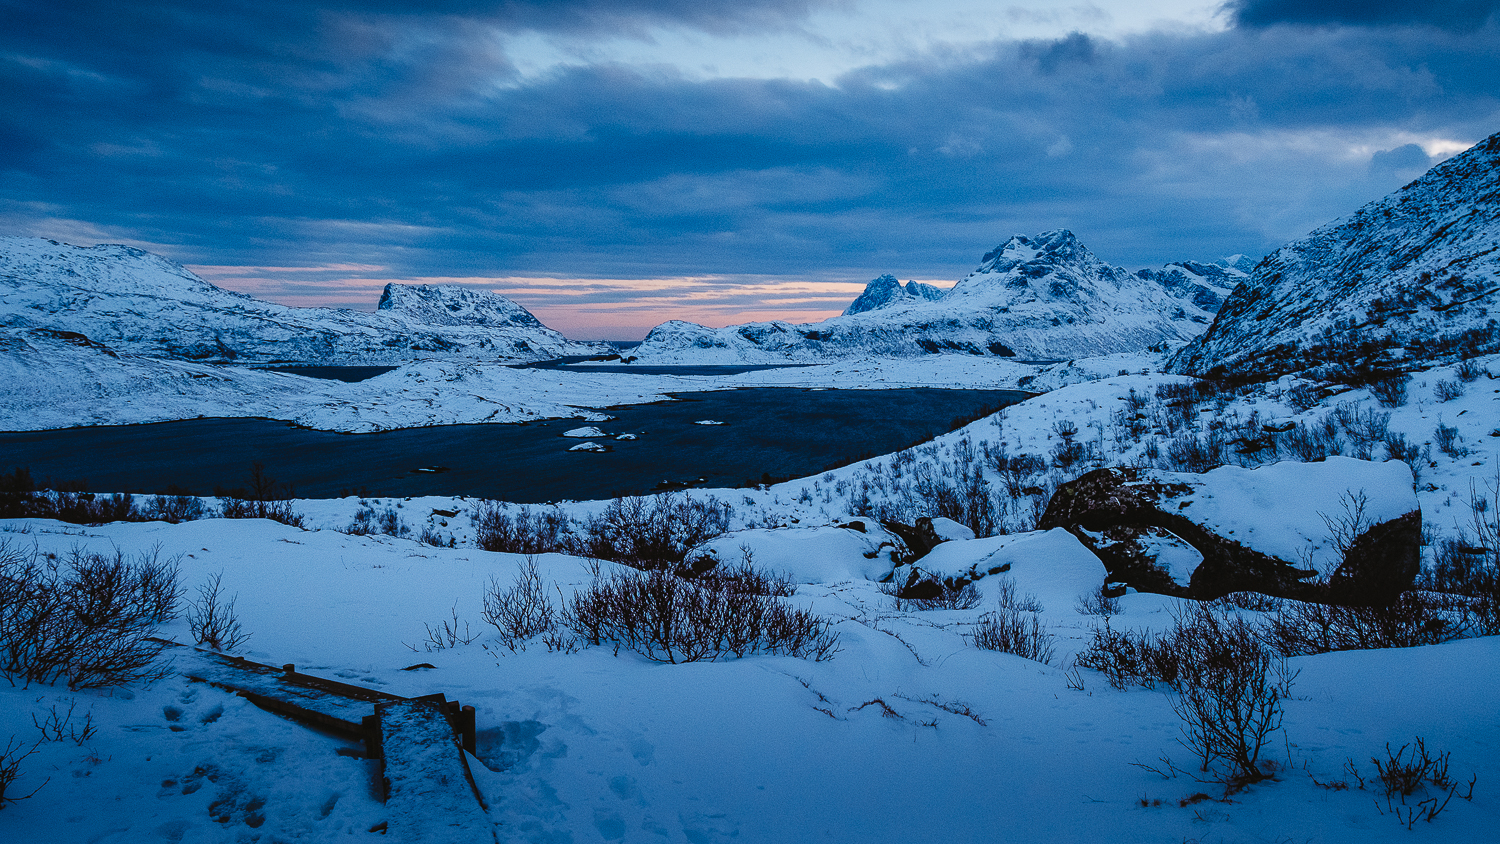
pixel 826 554
pixel 1051 565
pixel 584 433
pixel 589 446
pixel 1270 529
pixel 1409 278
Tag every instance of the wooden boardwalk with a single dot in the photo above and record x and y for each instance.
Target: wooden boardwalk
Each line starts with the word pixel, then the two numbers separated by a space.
pixel 422 743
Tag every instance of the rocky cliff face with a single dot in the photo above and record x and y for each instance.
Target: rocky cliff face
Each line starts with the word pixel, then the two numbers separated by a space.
pixel 1406 279
pixel 1042 297
pixel 138 303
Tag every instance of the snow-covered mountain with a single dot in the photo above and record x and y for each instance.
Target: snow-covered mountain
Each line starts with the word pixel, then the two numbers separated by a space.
pixel 1408 278
pixel 886 291
pixel 138 303
pixel 1042 297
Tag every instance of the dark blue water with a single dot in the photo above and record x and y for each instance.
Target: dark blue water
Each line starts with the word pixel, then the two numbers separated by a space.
pixel 347 374
pixel 770 433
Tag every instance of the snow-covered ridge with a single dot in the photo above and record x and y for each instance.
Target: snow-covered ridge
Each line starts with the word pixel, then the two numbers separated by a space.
pixel 1042 297
pixel 1407 278
pixel 138 303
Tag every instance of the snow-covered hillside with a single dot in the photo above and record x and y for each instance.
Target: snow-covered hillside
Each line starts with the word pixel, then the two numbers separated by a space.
pixel 138 303
pixel 1035 298
pixel 1407 278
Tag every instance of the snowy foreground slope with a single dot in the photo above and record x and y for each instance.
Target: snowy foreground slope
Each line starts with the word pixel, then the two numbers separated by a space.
pixel 134 302
pixel 976 746
pixel 1034 298
pixel 1408 278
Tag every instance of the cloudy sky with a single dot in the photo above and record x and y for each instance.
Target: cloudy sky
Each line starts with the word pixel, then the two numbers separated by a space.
pixel 614 163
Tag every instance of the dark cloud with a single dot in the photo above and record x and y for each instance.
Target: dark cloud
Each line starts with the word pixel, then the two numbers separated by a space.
pixel 1408 158
pixel 1459 15
pixel 285 135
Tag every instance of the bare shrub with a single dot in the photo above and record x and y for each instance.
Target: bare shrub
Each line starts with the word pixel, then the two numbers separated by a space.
pixel 1125 657
pixel 667 618
pixel 653 531
pixel 449 633
pixel 520 611
pixel 1445 390
pixel 88 620
pixel 1227 693
pixel 1007 598
pixel 1410 769
pixel 212 619
pixel 529 531
pixel 1448 441
pixel 266 499
pixel 1413 619
pixel 743 576
pixel 1391 390
pixel 11 757
pixel 1310 443
pixel 174 509
pixel 1468 372
pixel 370 521
pixel 1010 631
pixel 1398 447
pixel 1098 602
pixel 1193 453
pixel 58 726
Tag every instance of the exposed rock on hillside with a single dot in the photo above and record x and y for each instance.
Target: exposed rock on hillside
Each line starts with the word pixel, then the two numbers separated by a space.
pixel 1043 297
pixel 1409 278
pixel 138 303
pixel 1232 529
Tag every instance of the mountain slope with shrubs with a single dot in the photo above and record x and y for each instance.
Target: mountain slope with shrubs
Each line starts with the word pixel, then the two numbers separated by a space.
pixel 1405 281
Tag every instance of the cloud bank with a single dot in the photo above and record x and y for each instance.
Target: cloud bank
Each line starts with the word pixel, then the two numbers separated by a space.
pixel 314 135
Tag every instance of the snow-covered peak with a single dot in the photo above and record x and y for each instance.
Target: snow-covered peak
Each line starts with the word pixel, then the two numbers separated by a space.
pixel 449 304
pixel 1041 297
pixel 886 291
pixel 137 303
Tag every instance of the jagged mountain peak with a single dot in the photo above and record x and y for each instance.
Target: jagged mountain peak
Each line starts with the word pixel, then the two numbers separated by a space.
pixel 1409 277
pixel 450 304
pixel 1050 247
pixel 886 292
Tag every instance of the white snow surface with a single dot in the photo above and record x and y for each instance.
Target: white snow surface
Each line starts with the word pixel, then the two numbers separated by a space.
pixel 825 554
pixel 593 746
pixel 1051 565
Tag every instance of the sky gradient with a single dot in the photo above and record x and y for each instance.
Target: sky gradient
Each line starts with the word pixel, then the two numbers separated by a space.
pixel 611 164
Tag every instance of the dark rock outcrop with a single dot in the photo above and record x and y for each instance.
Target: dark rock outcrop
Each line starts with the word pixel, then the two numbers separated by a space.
pixel 1129 516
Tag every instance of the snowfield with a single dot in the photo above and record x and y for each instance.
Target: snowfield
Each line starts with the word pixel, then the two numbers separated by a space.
pixel 969 745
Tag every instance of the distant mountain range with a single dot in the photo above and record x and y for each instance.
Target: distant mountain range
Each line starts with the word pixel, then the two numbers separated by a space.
pixel 1407 279
pixel 1042 297
pixel 134 302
